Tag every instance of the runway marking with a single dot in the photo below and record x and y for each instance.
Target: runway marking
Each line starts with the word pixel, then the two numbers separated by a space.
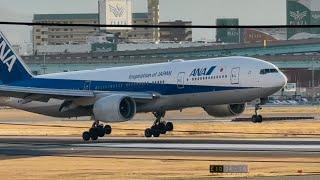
pixel 188 159
pixel 120 146
pixel 189 146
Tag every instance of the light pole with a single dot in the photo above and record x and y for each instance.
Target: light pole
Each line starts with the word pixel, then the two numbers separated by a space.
pixel 313 90
pixel 312 73
pixel 44 67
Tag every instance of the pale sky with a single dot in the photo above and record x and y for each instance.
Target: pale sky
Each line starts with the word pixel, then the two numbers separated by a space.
pixel 201 12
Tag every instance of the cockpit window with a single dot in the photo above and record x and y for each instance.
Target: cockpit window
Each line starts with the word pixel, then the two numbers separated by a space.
pixel 267 71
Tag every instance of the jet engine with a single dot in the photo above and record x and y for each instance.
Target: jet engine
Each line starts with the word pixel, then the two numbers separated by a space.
pixel 225 110
pixel 114 108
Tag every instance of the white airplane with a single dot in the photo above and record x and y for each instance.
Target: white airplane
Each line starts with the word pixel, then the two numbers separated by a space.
pixel 221 86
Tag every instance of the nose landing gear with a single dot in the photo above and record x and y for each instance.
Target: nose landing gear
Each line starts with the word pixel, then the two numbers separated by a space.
pixel 256 118
pixel 97 130
pixel 159 127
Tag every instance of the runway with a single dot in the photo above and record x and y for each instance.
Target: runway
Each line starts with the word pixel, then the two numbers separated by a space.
pixel 13 147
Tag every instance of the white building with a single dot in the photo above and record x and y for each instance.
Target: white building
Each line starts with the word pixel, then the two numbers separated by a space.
pixel 115 12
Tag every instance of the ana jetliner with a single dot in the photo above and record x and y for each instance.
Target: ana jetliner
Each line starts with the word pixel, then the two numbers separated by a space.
pixel 221 86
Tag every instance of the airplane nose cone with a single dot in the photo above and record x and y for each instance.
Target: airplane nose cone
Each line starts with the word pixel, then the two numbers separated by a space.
pixel 283 80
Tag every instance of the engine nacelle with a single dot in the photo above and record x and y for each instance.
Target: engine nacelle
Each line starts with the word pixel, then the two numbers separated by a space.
pixel 225 110
pixel 114 108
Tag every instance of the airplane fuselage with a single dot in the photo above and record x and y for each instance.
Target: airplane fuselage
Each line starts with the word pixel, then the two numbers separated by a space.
pixel 179 84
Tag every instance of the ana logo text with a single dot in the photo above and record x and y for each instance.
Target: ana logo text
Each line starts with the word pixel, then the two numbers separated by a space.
pixel 6 55
pixel 202 71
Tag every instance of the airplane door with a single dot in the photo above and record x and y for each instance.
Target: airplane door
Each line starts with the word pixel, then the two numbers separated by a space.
pixel 235 75
pixel 180 80
pixel 87 85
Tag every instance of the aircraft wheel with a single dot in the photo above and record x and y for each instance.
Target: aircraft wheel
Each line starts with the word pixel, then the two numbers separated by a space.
pixel 94 137
pixel 169 126
pixel 101 131
pixel 254 118
pixel 93 133
pixel 155 131
pixel 86 136
pixel 162 128
pixel 148 133
pixel 108 129
pixel 259 119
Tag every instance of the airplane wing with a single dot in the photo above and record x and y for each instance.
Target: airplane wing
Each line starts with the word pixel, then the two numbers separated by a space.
pixel 43 94
pixel 20 92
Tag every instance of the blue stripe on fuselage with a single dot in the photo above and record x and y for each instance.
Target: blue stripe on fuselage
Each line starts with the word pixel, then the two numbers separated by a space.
pixel 164 89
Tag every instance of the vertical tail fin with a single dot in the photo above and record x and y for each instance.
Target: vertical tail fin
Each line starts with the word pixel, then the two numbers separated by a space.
pixel 12 67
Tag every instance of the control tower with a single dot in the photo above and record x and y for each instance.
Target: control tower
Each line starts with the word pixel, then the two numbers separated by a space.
pixel 154 14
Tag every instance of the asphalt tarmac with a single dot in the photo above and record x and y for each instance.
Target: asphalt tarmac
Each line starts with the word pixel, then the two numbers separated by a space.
pixel 15 147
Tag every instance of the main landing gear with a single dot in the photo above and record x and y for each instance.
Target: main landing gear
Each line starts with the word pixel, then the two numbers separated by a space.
pixel 257 118
pixel 159 127
pixel 97 130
